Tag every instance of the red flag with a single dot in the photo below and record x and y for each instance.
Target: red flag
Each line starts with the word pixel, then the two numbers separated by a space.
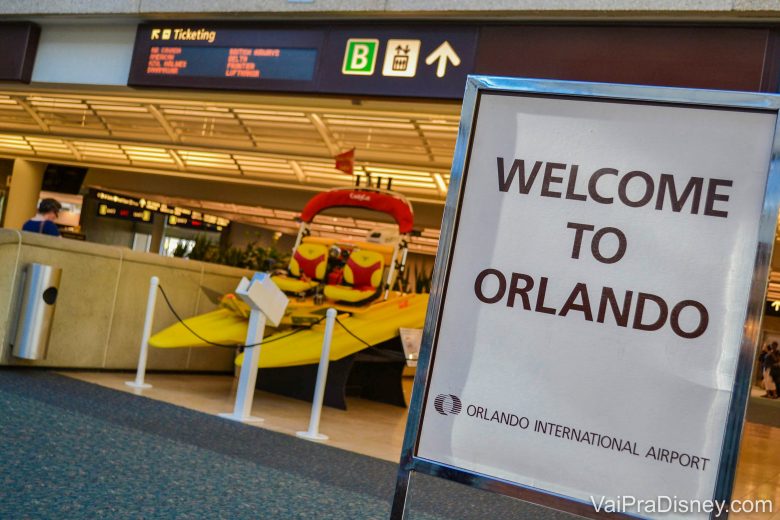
pixel 346 162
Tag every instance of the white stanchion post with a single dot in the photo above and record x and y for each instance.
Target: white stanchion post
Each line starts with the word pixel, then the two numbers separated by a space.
pixel 266 301
pixel 242 411
pixel 313 434
pixel 141 370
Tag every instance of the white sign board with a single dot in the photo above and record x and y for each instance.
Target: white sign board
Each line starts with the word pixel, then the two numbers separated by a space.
pixel 596 295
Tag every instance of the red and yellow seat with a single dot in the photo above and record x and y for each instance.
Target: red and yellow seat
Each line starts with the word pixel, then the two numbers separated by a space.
pixel 363 276
pixel 307 267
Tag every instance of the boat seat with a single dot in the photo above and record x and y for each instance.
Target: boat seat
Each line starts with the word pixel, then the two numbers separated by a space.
pixel 363 276
pixel 307 269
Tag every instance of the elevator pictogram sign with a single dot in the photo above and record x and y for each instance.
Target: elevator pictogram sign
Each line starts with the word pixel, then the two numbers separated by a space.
pixel 401 58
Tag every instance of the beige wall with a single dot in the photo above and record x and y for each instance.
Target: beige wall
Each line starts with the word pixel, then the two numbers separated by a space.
pixel 100 309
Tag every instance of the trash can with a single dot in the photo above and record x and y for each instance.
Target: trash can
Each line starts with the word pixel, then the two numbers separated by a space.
pixel 39 297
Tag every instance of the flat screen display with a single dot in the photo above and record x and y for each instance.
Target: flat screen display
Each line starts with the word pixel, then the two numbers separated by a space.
pixel 233 62
pixel 61 178
pixel 226 56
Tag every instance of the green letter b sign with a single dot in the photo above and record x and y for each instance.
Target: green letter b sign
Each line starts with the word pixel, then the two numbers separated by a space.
pixel 360 56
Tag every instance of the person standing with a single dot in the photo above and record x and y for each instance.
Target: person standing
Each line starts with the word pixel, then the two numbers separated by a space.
pixel 43 222
pixel 774 370
pixel 769 360
pixel 760 372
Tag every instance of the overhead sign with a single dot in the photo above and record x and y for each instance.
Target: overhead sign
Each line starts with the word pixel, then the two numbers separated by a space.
pixel 122 212
pixel 360 56
pixel 19 44
pixel 401 58
pixel 443 54
pixel 772 308
pixel 225 56
pixel 417 61
pixel 131 208
pixel 198 220
pixel 601 272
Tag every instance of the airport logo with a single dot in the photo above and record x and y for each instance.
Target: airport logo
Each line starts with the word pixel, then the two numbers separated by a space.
pixel 447 404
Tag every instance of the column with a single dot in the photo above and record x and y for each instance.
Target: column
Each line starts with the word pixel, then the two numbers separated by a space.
pixel 24 191
pixel 158 232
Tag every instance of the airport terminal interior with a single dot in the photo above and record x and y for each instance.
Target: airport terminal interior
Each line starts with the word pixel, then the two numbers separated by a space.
pixel 171 175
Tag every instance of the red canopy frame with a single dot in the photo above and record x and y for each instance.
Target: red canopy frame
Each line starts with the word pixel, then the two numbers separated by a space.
pixel 392 204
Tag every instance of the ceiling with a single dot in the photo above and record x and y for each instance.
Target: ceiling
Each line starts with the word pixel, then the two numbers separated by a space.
pixel 267 140
pixel 281 141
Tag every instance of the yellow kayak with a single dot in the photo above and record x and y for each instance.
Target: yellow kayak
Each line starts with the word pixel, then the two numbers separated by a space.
pixel 374 324
pixel 226 325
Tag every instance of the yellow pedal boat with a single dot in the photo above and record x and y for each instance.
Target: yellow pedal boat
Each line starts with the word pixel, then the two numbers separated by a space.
pixel 356 280
pixel 294 346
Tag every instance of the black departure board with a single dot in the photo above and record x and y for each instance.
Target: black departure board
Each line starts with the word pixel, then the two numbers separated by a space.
pixel 124 207
pixel 225 56
pixel 122 212
pixel 233 62
pixel 196 220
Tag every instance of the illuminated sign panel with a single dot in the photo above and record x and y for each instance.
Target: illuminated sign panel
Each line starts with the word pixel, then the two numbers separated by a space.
pixel 141 210
pixel 233 62
pixel 225 56
pixel 772 308
pixel 401 58
pixel 414 61
pixel 360 57
pixel 19 43
pixel 122 212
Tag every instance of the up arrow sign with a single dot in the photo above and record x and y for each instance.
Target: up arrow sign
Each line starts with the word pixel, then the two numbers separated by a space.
pixel 776 305
pixel 443 53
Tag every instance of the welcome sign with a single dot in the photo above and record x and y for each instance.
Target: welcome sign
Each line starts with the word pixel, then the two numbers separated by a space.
pixel 598 293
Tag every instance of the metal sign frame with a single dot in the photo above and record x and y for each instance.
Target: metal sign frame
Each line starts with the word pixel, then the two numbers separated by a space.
pixel 475 87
